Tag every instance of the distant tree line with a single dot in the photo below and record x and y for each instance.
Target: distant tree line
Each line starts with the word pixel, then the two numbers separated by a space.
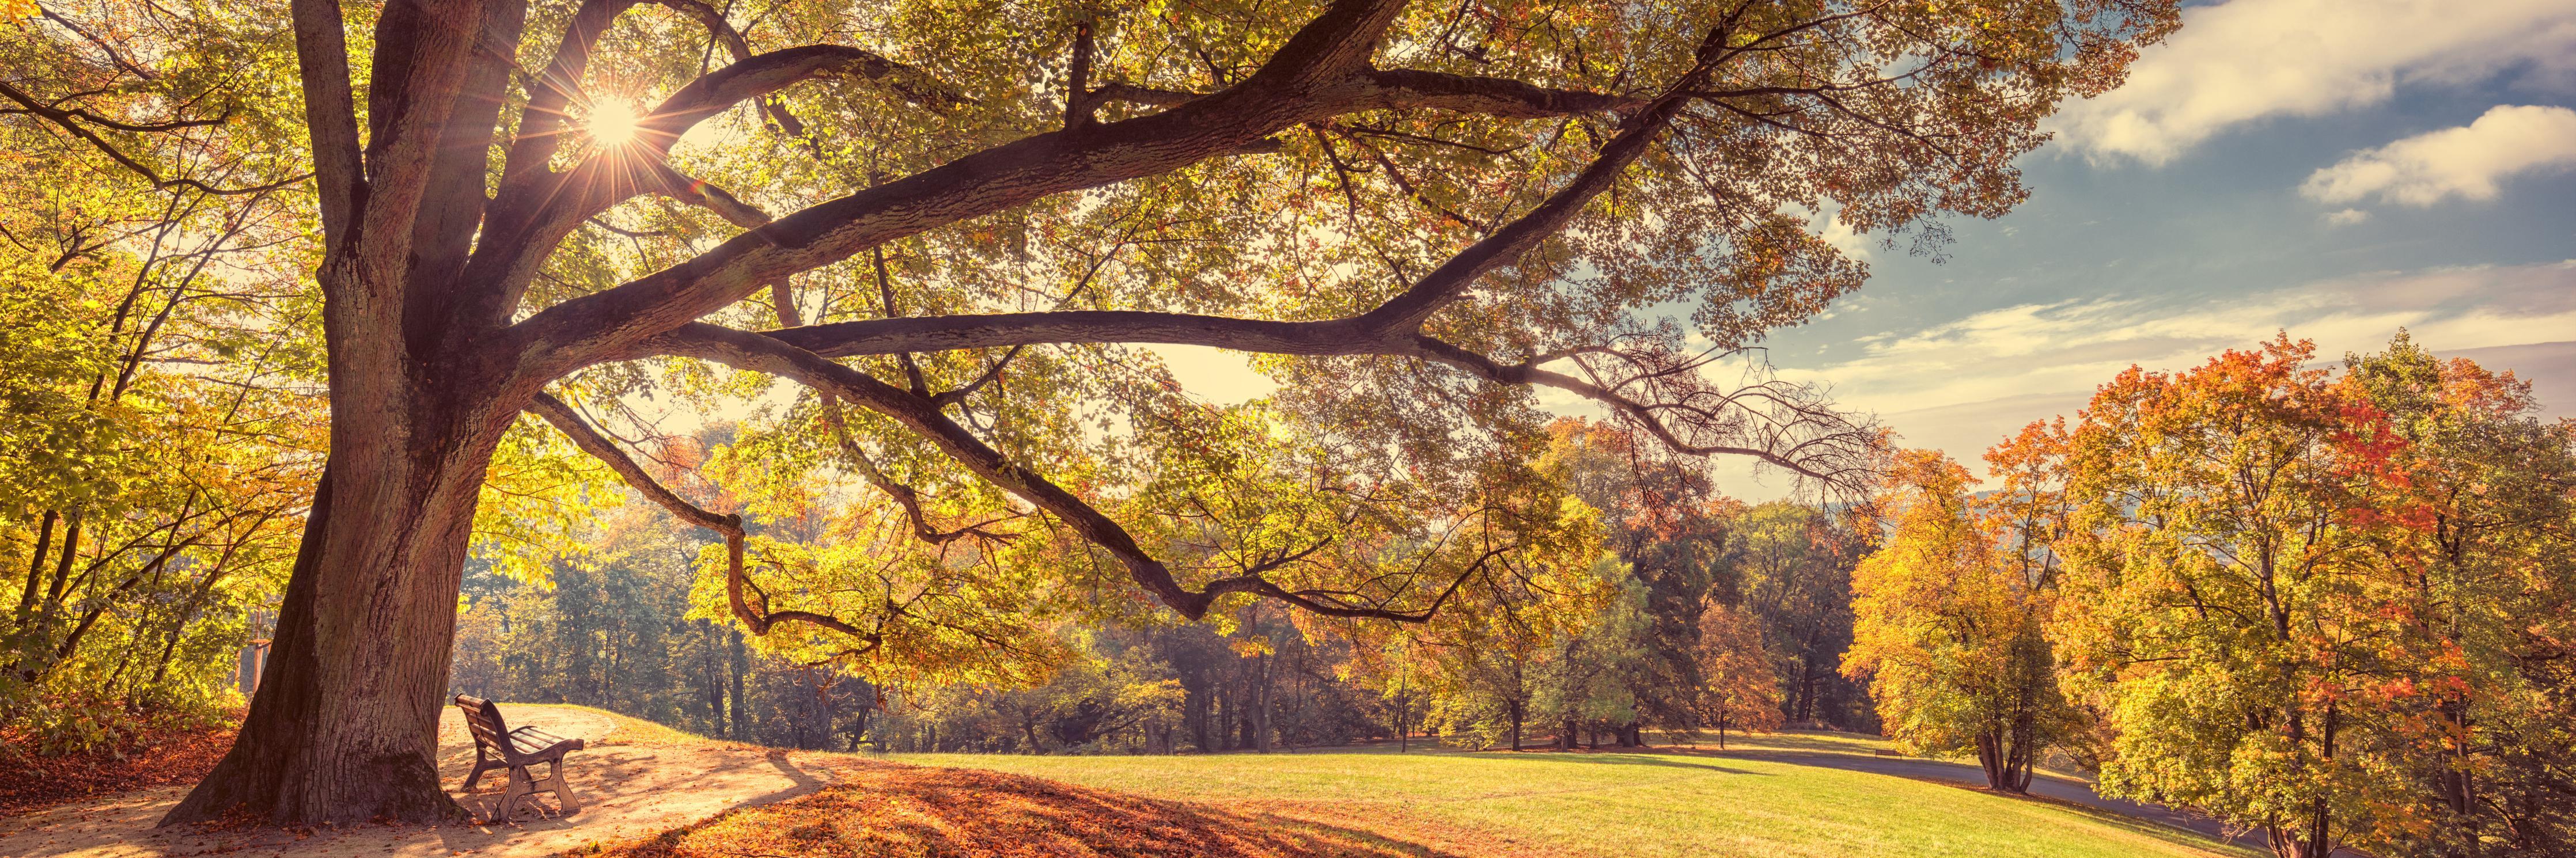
pixel 1706 615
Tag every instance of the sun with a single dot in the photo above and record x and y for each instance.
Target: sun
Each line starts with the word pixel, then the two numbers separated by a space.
pixel 612 122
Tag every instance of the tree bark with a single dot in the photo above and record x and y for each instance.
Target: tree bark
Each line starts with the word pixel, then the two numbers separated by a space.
pixel 344 727
pixel 739 663
pixel 1260 720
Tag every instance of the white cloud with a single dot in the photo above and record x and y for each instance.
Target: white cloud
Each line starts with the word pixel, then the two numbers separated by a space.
pixel 2346 217
pixel 1963 384
pixel 2466 161
pixel 2245 60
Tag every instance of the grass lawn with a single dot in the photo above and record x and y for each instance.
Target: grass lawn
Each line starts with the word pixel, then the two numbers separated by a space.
pixel 1625 804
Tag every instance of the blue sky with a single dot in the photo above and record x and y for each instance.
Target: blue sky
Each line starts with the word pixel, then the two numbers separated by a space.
pixel 2333 168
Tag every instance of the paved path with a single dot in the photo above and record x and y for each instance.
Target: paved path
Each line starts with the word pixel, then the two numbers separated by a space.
pixel 2043 785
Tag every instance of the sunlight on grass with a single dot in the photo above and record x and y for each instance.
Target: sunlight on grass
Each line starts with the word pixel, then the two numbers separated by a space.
pixel 631 730
pixel 1644 803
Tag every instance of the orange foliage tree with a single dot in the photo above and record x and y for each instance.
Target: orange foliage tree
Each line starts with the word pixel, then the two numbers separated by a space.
pixel 2478 559
pixel 2228 601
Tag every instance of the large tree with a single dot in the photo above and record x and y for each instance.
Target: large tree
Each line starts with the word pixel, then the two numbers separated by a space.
pixel 2229 602
pixel 1427 209
pixel 2484 549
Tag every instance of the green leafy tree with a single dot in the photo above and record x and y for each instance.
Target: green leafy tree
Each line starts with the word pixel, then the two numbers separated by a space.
pixel 159 372
pixel 1792 564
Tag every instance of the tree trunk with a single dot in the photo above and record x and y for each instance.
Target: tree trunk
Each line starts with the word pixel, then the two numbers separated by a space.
pixel 715 686
pixel 1990 759
pixel 1260 720
pixel 739 663
pixel 1806 697
pixel 344 727
pixel 1516 725
pixel 1194 710
pixel 2459 791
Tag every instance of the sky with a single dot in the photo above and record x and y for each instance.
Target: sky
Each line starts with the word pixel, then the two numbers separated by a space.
pixel 2336 169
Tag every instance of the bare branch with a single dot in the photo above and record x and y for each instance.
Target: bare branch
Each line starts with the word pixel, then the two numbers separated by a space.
pixel 70 121
pixel 753 610
pixel 750 351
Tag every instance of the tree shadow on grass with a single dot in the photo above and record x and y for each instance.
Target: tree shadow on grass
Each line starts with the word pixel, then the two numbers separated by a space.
pixel 900 810
pixel 1646 758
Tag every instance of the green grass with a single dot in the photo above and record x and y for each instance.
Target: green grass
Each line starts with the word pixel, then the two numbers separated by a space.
pixel 1629 804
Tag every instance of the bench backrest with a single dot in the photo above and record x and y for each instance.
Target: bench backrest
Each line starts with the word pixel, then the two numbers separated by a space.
pixel 484 719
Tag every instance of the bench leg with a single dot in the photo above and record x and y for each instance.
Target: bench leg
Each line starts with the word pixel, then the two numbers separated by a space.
pixel 482 763
pixel 518 788
pixel 563 791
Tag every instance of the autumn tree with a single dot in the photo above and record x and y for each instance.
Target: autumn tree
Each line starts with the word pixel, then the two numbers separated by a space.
pixel 1791 565
pixel 1664 520
pixel 1949 610
pixel 2225 598
pixel 951 222
pixel 158 374
pixel 2476 549
pixel 1738 690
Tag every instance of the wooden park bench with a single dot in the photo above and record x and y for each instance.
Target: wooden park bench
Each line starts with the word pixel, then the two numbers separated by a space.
pixel 496 746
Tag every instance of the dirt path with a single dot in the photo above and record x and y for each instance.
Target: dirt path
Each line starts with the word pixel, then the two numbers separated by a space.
pixel 626 788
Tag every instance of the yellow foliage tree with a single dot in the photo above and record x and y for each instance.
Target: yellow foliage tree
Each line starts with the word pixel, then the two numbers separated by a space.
pixel 1948 613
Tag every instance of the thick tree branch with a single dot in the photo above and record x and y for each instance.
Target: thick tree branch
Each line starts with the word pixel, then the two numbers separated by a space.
pixel 330 115
pixel 1337 337
pixel 1318 62
pixel 761 75
pixel 1490 96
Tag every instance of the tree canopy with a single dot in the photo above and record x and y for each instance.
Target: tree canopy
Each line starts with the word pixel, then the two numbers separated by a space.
pixel 958 228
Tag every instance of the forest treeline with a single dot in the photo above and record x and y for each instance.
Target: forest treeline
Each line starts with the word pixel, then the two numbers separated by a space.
pixel 1712 614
